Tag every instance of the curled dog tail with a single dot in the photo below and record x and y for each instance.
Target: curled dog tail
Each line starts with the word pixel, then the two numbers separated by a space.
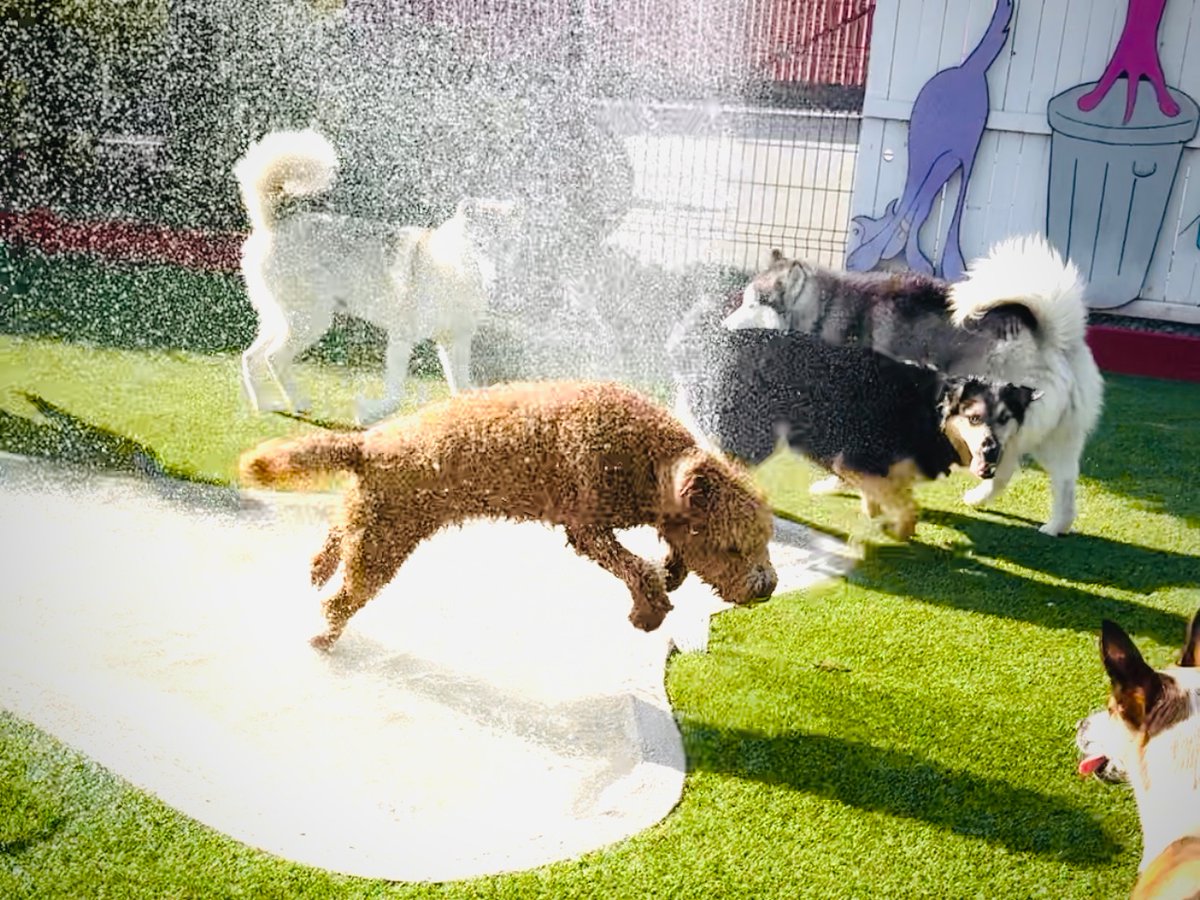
pixel 283 164
pixel 1028 271
pixel 289 460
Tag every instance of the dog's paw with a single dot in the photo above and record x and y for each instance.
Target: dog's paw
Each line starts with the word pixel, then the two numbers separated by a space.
pixel 1054 529
pixel 675 572
pixel 979 494
pixel 323 642
pixel 902 530
pixel 827 486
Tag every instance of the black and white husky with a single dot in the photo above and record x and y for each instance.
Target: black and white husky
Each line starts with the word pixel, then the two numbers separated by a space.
pixel 1019 316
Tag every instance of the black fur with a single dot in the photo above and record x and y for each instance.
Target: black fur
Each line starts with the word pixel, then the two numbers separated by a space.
pixel 746 388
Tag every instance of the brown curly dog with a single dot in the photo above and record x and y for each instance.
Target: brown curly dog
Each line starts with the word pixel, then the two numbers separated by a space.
pixel 591 457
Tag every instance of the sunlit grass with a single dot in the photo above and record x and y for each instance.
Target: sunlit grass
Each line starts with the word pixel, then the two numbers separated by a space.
pixel 905 731
pixel 188 407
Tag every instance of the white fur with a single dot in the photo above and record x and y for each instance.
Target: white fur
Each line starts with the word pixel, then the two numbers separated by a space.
pixel 301 268
pixel 1057 362
pixel 1167 782
pixel 1165 774
pixel 752 313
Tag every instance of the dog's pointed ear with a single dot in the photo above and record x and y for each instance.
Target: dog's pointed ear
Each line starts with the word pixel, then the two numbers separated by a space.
pixel 797 273
pixel 695 482
pixel 1017 398
pixel 1191 649
pixel 1135 686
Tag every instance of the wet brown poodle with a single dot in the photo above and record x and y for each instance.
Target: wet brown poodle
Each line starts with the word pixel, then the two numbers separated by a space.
pixel 591 457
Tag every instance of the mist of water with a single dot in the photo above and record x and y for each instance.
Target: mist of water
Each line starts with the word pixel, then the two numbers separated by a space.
pixel 148 105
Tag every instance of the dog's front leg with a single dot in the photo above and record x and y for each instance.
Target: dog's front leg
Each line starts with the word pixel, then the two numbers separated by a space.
pixel 676 569
pixel 645 582
pixel 991 488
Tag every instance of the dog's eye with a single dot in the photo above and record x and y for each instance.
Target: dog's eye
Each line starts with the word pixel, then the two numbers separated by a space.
pixel 975 420
pixel 1003 418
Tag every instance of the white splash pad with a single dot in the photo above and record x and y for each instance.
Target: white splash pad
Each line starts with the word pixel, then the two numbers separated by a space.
pixel 491 710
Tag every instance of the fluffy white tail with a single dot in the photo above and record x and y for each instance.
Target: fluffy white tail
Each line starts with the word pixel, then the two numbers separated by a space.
pixel 283 164
pixel 1026 270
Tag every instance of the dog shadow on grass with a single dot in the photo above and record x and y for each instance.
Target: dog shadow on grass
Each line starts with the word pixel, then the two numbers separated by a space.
pixel 904 785
pixel 64 437
pixel 953 577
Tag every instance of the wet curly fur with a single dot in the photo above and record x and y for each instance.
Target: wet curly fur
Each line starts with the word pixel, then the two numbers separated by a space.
pixel 591 457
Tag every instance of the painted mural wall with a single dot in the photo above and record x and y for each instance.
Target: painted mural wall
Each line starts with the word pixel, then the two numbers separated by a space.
pixel 1028 103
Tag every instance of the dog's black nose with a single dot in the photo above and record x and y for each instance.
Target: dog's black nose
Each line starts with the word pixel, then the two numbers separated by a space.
pixel 991 450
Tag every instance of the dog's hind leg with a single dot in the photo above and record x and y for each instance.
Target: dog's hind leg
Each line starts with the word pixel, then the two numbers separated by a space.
pixel 327 559
pixel 1061 462
pixel 455 356
pixel 252 357
pixel 645 582
pixel 374 543
pixel 302 333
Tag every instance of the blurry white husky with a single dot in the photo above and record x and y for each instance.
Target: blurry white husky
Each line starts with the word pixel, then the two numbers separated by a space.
pixel 301 267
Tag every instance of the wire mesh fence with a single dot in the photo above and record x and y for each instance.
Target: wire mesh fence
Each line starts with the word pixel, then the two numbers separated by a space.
pixel 739 117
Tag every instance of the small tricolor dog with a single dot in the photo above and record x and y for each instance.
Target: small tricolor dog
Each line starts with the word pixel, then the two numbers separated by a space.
pixel 1151 729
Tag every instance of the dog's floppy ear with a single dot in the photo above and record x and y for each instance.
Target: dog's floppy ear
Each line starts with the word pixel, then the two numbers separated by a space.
pixel 1191 649
pixel 696 482
pixel 1135 686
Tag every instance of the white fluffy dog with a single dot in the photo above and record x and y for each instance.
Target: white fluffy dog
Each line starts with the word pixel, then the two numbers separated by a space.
pixel 1055 359
pixel 301 267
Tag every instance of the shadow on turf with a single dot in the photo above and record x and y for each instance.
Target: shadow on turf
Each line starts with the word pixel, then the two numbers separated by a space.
pixel 63 437
pixel 951 577
pixel 1140 414
pixel 66 437
pixel 901 784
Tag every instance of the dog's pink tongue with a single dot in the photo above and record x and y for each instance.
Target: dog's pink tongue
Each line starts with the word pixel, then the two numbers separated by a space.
pixel 1091 764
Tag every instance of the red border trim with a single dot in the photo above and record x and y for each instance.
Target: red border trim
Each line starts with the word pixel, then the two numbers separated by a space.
pixel 1123 350
pixel 1156 354
pixel 141 242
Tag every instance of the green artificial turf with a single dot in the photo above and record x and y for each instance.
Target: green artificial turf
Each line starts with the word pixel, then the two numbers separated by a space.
pixel 905 731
